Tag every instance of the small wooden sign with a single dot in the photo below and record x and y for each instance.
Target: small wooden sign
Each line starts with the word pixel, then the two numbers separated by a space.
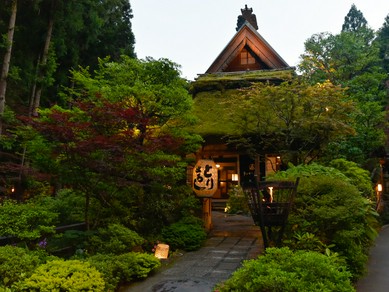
pixel 205 178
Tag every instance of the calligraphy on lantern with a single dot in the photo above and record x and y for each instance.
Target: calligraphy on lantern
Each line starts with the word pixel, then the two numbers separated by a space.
pixel 205 178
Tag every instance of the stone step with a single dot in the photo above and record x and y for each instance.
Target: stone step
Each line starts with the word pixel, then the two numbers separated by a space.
pixel 219 204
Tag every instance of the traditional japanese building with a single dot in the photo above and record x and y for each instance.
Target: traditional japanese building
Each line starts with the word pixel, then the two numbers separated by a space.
pixel 246 59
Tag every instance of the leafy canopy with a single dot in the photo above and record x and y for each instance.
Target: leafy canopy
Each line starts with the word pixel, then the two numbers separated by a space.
pixel 123 139
pixel 355 60
pixel 293 118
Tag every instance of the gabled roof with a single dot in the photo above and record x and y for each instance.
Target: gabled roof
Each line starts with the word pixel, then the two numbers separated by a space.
pixel 247 38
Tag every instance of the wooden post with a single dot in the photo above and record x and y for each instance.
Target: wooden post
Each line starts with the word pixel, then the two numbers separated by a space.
pixel 207 213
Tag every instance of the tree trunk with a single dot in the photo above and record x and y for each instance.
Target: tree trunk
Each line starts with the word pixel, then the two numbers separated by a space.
pixel 7 60
pixel 42 64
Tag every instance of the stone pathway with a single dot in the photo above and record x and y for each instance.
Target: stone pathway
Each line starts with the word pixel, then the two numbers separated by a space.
pixel 233 239
pixel 377 278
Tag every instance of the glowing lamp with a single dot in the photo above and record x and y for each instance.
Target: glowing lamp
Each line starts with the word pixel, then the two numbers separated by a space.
pixel 162 251
pixel 205 178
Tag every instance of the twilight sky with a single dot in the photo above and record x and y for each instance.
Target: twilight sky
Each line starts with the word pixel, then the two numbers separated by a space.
pixel 192 33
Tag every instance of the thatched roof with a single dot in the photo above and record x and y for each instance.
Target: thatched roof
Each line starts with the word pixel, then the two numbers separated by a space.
pixel 231 80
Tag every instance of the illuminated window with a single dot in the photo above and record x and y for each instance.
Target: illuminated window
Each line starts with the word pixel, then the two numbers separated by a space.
pixel 246 58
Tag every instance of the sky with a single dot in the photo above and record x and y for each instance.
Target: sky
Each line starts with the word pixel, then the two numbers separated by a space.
pixel 192 33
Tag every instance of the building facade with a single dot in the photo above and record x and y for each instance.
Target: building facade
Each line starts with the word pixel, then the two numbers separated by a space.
pixel 248 58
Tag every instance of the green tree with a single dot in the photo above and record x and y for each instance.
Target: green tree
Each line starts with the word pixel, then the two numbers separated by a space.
pixel 54 36
pixel 7 60
pixel 293 118
pixel 354 20
pixel 351 59
pixel 123 141
pixel 383 42
pixel 50 38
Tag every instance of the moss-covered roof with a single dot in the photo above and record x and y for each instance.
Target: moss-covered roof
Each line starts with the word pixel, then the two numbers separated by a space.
pixel 213 102
pixel 214 110
pixel 233 80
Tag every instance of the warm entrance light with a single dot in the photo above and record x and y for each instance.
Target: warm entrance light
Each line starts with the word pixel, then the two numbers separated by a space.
pixel 271 194
pixel 379 188
pixel 234 177
pixel 162 251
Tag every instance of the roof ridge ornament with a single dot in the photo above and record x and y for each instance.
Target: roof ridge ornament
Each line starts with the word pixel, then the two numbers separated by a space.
pixel 247 15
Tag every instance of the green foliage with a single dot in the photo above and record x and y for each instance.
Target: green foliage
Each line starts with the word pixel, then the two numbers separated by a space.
pixel 136 265
pixel 163 205
pixel 121 144
pixel 16 264
pixel 354 20
pixel 106 264
pixel 332 209
pixel 154 86
pixel 187 234
pixel 369 125
pixel 69 205
pixel 306 241
pixel 308 170
pixel 84 31
pixel 114 239
pixel 383 43
pixel 66 243
pixel 237 201
pixel 120 269
pixel 338 215
pixel 293 118
pixel 354 60
pixel 356 175
pixel 26 221
pixel 60 275
pixel 284 270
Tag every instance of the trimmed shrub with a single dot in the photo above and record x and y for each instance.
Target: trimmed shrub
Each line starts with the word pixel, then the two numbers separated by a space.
pixel 187 234
pixel 16 264
pixel 60 275
pixel 338 215
pixel 115 239
pixel 308 170
pixel 136 265
pixel 358 176
pixel 26 221
pixel 119 269
pixel 280 269
pixel 106 264
pixel 334 210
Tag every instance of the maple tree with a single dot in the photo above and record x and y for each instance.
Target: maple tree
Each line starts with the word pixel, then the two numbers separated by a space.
pixel 121 145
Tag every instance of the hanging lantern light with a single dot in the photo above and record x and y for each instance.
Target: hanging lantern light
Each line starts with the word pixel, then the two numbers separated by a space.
pixel 205 178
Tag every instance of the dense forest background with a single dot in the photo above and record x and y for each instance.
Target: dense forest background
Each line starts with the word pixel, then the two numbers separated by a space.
pixel 50 37
pixel 49 47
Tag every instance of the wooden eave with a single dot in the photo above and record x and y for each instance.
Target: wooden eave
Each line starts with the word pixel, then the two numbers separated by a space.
pixel 247 36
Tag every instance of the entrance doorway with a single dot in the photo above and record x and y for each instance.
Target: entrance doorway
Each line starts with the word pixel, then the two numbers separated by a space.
pixel 228 175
